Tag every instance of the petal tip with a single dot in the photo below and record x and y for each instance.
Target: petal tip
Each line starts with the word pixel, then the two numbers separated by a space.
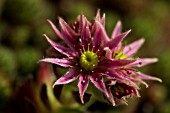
pixel 53 85
pixel 155 59
pixel 48 20
pixel 119 23
pixel 57 83
pixel 42 60
pixel 159 80
pixel 129 31
pixel 81 98
pixel 113 104
pixel 142 40
pixel 44 35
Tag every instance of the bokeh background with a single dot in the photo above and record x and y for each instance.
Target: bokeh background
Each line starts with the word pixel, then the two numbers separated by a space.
pixel 22 78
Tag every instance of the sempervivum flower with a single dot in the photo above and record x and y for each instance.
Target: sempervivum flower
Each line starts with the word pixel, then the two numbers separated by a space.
pixel 84 53
pixel 126 79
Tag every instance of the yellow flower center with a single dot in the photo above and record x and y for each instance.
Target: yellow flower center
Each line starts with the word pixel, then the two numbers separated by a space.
pixel 119 55
pixel 88 60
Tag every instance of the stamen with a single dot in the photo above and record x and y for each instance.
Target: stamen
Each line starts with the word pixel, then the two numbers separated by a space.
pixel 88 48
pixel 83 81
pixel 83 49
pixel 107 72
pixel 80 40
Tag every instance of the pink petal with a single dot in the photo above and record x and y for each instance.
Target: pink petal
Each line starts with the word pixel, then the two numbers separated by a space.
pixel 98 18
pixel 115 63
pixel 98 15
pixel 148 77
pixel 86 36
pixel 136 92
pixel 102 21
pixel 117 40
pixel 67 28
pixel 130 75
pixel 117 30
pixel 97 80
pixel 110 96
pixel 128 82
pixel 143 62
pixel 56 30
pixel 100 30
pixel 133 47
pixel 139 81
pixel 62 62
pixel 107 72
pixel 69 35
pixel 59 48
pixel 108 76
pixel 121 101
pixel 108 53
pixel 82 85
pixel 67 78
pixel 97 37
pixel 82 22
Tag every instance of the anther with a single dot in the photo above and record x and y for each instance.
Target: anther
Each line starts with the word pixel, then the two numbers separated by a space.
pixel 80 40
pixel 92 38
pixel 107 72
pixel 127 91
pixel 83 81
pixel 74 27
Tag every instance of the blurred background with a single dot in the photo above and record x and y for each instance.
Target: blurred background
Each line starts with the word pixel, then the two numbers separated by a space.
pixel 25 85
